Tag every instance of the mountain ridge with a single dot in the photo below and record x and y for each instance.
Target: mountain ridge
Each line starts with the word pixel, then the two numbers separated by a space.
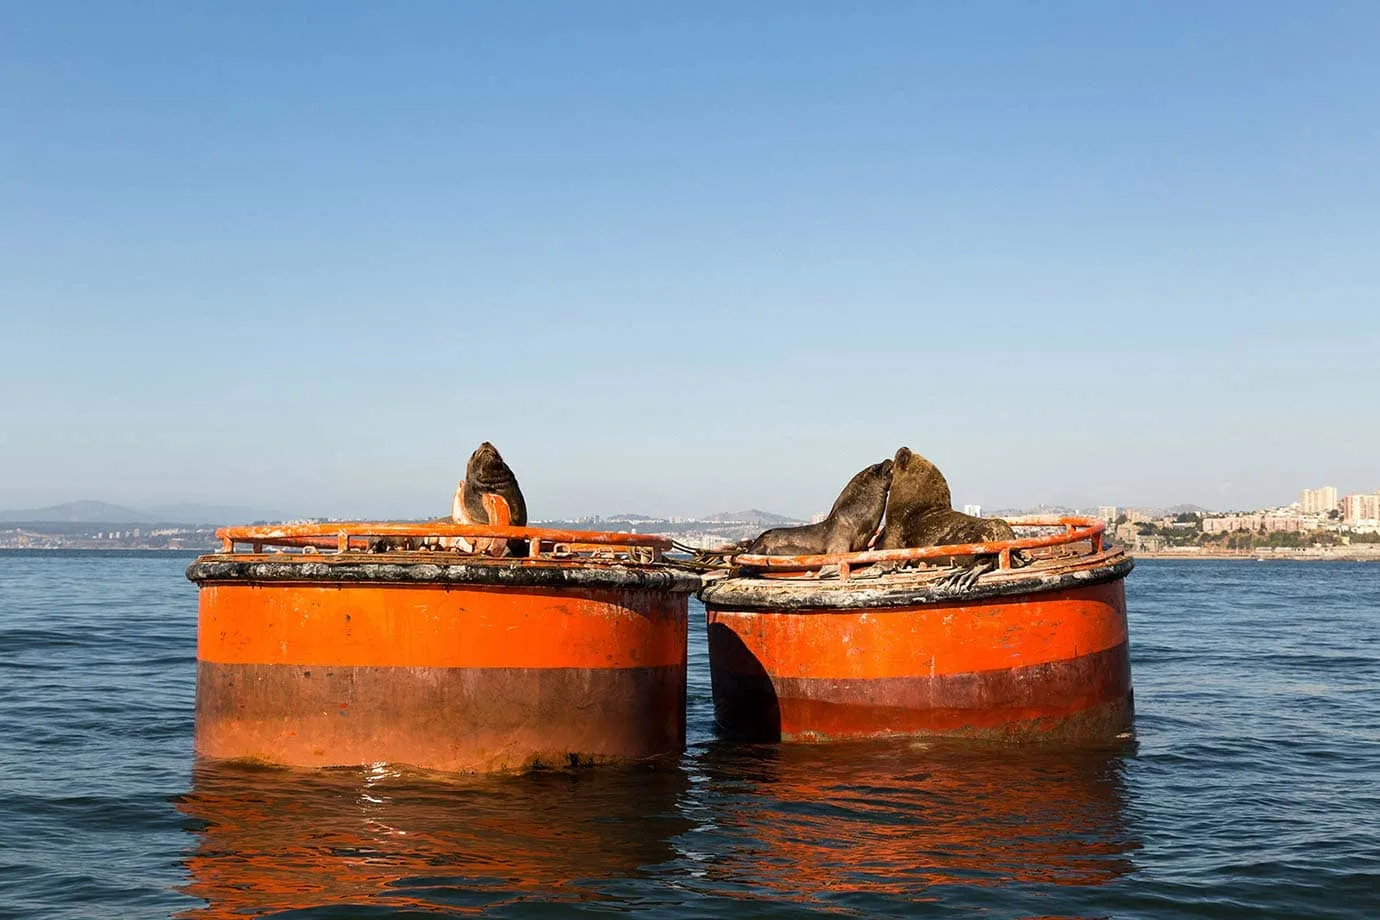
pixel 750 516
pixel 90 511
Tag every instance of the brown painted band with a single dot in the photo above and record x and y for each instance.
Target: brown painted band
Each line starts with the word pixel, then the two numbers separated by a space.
pixel 1087 698
pixel 439 626
pixel 451 719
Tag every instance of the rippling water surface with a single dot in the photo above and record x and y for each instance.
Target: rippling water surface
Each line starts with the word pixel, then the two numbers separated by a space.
pixel 1253 789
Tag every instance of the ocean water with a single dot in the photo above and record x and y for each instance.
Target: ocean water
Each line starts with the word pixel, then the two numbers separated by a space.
pixel 1252 790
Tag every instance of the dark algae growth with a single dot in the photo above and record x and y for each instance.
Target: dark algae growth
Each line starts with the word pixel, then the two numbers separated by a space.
pixel 1251 791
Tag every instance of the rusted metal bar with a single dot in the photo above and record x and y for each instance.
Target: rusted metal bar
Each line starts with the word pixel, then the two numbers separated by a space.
pixel 308 534
pixel 1076 529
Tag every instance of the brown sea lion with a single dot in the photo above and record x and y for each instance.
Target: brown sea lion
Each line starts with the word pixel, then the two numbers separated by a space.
pixel 920 513
pixel 489 494
pixel 487 474
pixel 850 525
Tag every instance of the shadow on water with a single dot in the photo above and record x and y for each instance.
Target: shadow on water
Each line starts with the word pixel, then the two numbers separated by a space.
pixel 816 824
pixel 272 840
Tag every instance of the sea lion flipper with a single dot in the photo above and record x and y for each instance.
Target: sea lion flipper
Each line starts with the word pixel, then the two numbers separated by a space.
pixel 499 511
pixel 458 515
pixel 500 514
pixel 964 578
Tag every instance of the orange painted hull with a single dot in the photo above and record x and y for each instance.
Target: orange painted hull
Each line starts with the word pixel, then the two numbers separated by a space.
pixel 1048 665
pixel 453 677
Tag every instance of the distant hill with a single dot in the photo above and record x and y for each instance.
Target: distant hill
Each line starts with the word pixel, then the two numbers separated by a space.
pixel 751 516
pixel 1048 510
pixel 81 512
pixel 192 513
pixel 94 512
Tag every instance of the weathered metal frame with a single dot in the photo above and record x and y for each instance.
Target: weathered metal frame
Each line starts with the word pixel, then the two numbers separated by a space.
pixel 1076 530
pixel 348 536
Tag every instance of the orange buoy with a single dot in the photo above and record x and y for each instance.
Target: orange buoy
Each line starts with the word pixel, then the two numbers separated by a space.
pixel 324 654
pixel 1035 652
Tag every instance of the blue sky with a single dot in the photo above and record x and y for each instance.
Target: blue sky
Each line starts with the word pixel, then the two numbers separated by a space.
pixel 687 258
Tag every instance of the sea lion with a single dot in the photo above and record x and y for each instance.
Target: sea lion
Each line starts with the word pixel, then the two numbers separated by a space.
pixel 920 513
pixel 850 525
pixel 489 494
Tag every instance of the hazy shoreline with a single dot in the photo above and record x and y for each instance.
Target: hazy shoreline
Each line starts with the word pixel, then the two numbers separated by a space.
pixel 1329 554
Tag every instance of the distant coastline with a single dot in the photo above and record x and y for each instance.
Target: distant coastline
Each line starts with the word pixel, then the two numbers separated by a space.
pixel 1322 554
pixel 1368 552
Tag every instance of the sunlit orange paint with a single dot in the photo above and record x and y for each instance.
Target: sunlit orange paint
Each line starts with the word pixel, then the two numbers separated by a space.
pixel 931 641
pixel 437 626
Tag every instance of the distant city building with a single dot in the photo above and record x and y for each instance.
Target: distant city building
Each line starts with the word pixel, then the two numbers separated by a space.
pixel 1270 523
pixel 1318 501
pixel 1362 507
pixel 1107 513
pixel 974 510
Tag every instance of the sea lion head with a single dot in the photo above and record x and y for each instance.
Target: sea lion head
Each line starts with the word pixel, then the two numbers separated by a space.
pixel 917 483
pixel 486 466
pixel 868 485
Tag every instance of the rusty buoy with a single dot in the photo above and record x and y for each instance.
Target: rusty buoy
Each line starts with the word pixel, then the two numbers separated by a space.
pixel 313 651
pixel 1039 652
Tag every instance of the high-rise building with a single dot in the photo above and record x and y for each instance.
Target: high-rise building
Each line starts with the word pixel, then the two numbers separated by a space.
pixel 974 510
pixel 1362 506
pixel 1107 513
pixel 1318 501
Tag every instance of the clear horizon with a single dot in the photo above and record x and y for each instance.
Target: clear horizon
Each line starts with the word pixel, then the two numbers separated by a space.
pixel 681 259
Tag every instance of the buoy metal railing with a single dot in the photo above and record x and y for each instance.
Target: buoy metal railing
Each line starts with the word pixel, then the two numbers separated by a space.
pixel 356 536
pixel 1075 530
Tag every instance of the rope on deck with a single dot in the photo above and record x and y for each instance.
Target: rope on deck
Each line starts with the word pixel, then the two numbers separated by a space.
pixel 705 560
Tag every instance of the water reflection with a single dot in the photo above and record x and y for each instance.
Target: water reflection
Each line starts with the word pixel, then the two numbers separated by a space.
pixel 740 829
pixel 275 840
pixel 807 823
